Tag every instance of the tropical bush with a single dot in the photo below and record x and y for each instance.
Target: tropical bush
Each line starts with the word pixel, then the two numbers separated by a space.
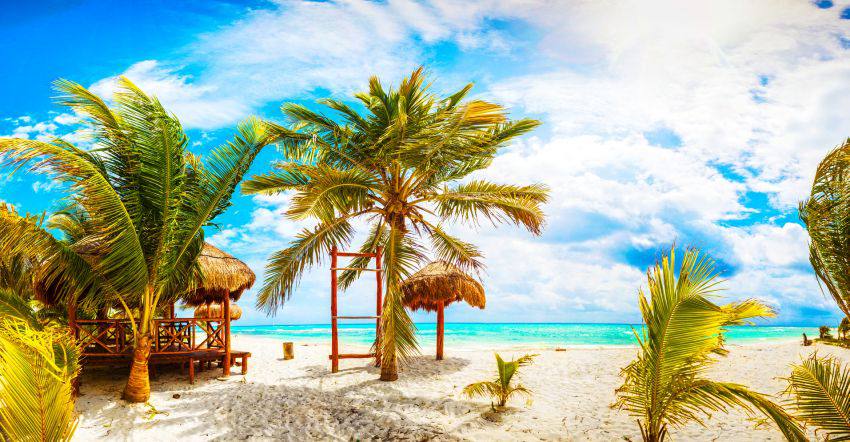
pixel 37 367
pixel 501 390
pixel 143 199
pixel 844 328
pixel 400 165
pixel 825 332
pixel 666 386
pixel 820 388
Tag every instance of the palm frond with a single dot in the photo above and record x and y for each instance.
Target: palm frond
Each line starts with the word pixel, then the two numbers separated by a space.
pixel 682 334
pixel 36 402
pixel 821 391
pixel 121 256
pixel 827 220
pixel 284 269
pixel 520 205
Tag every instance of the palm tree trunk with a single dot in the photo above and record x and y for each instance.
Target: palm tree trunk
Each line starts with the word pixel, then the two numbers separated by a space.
pixel 389 369
pixel 138 388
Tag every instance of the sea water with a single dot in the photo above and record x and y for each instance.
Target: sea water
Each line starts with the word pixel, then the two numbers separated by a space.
pixel 517 334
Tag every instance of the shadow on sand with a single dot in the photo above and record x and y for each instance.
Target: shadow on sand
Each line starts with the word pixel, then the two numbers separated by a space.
pixel 238 409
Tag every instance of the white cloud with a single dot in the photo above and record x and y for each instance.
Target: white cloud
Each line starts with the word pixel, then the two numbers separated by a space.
pixel 45 186
pixel 758 88
pixel 201 106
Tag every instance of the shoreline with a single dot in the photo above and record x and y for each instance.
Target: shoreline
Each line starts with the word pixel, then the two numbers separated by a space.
pixel 495 344
pixel 301 399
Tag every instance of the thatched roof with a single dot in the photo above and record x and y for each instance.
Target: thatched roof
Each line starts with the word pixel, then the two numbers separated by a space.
pixel 441 282
pixel 221 275
pixel 215 311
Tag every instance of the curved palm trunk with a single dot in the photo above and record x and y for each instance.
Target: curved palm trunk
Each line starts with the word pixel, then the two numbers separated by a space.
pixel 138 388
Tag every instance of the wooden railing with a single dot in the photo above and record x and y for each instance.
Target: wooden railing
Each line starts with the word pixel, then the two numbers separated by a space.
pixel 114 337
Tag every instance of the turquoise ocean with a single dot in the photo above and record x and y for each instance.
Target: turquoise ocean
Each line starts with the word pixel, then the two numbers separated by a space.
pixel 516 334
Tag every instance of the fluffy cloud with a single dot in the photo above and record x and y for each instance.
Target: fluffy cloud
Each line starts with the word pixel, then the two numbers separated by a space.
pixel 747 95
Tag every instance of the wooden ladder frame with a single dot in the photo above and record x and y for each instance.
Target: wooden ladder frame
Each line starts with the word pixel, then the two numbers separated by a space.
pixel 335 356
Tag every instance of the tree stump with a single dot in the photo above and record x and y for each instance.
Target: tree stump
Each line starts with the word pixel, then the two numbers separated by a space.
pixel 288 351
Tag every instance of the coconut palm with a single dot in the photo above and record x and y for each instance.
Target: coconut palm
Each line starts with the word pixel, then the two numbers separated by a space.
pixel 145 200
pixel 844 327
pixel 502 389
pixel 820 388
pixel 682 336
pixel 397 165
pixel 827 219
pixel 37 367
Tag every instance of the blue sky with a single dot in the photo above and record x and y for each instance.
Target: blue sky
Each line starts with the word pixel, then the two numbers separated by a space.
pixel 699 124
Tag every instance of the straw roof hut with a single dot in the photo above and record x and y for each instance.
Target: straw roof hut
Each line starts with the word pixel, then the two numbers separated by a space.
pixel 441 283
pixel 437 285
pixel 221 275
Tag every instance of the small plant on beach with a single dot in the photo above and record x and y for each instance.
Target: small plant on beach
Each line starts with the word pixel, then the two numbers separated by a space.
pixel 502 389
pixel 682 336
pixel 825 332
pixel 37 367
pixel 402 162
pixel 820 388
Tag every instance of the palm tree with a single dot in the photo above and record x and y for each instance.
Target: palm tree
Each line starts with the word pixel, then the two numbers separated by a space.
pixel 37 367
pixel 844 327
pixel 501 389
pixel 682 335
pixel 820 388
pixel 145 198
pixel 397 165
pixel 827 219
pixel 825 332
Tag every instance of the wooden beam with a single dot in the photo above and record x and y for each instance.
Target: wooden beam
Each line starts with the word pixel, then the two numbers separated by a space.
pixel 356 317
pixel 226 313
pixel 355 255
pixel 334 330
pixel 440 328
pixel 355 268
pixel 353 356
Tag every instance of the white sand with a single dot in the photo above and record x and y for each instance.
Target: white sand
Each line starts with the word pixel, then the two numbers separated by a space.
pixel 301 400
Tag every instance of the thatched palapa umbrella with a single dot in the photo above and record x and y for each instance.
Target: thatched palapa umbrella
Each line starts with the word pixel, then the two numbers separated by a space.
pixel 222 276
pixel 437 285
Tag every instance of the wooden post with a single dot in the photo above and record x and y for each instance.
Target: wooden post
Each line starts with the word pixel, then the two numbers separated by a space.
pixel 334 331
pixel 379 307
pixel 288 351
pixel 226 313
pixel 440 327
pixel 171 311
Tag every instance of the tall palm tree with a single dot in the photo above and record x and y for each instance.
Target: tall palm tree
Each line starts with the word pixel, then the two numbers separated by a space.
pixel 827 219
pixel 398 165
pixel 820 388
pixel 682 336
pixel 145 198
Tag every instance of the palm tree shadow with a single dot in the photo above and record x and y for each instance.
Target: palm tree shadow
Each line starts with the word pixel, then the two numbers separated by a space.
pixel 417 367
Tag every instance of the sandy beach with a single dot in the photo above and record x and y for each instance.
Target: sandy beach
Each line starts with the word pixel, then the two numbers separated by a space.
pixel 301 400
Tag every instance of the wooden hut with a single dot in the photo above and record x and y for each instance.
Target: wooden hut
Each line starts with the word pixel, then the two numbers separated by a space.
pixel 437 285
pixel 205 337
